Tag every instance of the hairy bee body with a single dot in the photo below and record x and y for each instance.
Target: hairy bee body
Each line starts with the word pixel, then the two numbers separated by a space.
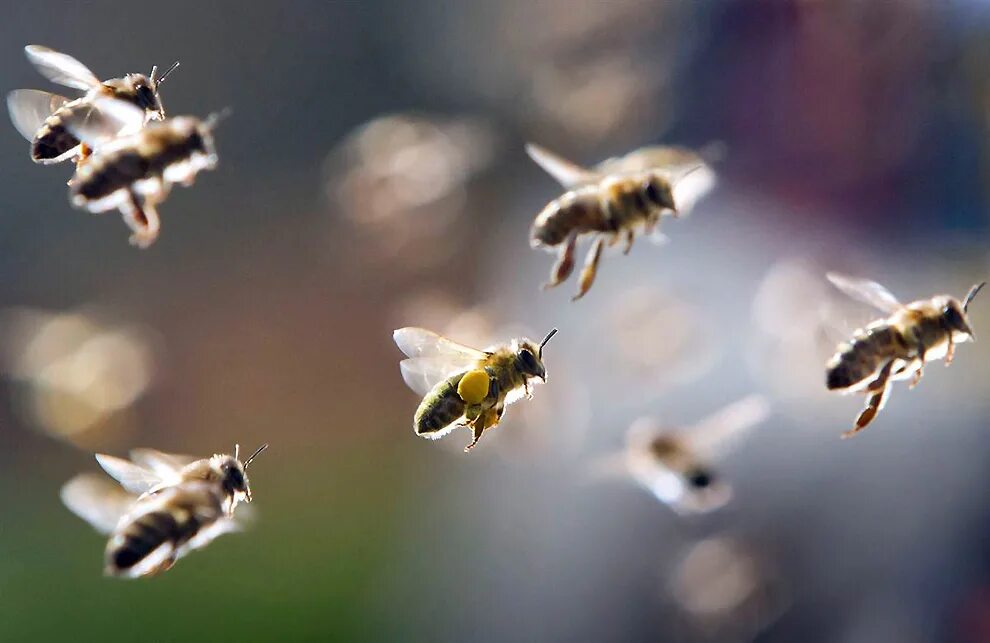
pixel 918 331
pixel 616 204
pixel 161 527
pixel 169 151
pixel 443 405
pixel 54 142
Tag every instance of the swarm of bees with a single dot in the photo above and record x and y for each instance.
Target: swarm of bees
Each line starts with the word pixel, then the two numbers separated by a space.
pixel 166 506
pixel 127 157
pixel 128 154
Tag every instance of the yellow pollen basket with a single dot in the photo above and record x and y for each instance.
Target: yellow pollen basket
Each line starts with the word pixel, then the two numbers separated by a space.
pixel 473 387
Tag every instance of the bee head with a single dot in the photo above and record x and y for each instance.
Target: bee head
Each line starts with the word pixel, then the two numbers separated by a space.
pixel 659 192
pixel 529 357
pixel 954 314
pixel 233 474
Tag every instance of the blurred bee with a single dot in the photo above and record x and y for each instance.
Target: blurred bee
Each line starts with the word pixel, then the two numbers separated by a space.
pixel 895 348
pixel 464 386
pixel 678 465
pixel 40 116
pixel 135 172
pixel 616 200
pixel 168 506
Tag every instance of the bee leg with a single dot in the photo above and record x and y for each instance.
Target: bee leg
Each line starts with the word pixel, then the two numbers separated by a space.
pixel 590 268
pixel 564 266
pixel 880 388
pixel 142 219
pixel 950 352
pixel 921 367
pixel 485 421
pixel 630 237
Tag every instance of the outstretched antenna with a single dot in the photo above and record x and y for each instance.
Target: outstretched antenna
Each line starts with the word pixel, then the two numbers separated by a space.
pixel 215 118
pixel 255 455
pixel 972 293
pixel 545 340
pixel 163 76
pixel 237 451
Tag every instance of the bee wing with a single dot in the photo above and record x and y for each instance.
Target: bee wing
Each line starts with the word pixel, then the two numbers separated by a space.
pixel 107 119
pixel 866 291
pixel 30 108
pixel 419 342
pixel 165 465
pixel 96 500
pixel 715 435
pixel 665 157
pixel 567 173
pixel 131 477
pixel 421 374
pixel 61 68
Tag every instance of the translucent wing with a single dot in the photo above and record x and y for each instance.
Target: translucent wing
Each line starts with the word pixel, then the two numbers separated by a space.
pixel 30 108
pixel 97 501
pixel 131 477
pixel 423 373
pixel 61 68
pixel 107 119
pixel 664 157
pixel 868 292
pixel 419 342
pixel 567 173
pixel 716 434
pixel 162 464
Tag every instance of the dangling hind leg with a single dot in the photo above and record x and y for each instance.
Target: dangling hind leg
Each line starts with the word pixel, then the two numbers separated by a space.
pixel 564 266
pixel 879 389
pixel 486 420
pixel 141 217
pixel 590 267
pixel 630 237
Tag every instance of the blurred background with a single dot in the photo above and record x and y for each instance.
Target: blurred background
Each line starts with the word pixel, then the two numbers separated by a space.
pixel 372 176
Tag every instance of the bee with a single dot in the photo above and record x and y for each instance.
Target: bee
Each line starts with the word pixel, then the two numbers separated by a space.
pixel 463 386
pixel 40 116
pixel 614 201
pixel 678 466
pixel 134 173
pixel 166 506
pixel 897 347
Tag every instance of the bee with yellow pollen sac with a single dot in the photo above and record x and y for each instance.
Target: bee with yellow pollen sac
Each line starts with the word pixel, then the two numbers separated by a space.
pixel 463 386
pixel 613 202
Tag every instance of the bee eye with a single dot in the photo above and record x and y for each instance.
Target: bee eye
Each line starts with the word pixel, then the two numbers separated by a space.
pixel 146 97
pixel 953 318
pixel 528 360
pixel 652 193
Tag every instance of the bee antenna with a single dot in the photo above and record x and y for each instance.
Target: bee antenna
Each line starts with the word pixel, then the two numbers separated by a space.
pixel 972 293
pixel 165 75
pixel 546 339
pixel 255 454
pixel 237 451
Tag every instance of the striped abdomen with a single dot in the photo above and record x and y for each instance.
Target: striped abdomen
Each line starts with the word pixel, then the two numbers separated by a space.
pixel 441 407
pixel 53 140
pixel 868 351
pixel 158 528
pixel 610 206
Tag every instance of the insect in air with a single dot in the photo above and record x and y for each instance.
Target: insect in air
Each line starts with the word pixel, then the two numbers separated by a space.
pixel 614 201
pixel 166 506
pixel 897 347
pixel 679 465
pixel 135 172
pixel 40 116
pixel 463 386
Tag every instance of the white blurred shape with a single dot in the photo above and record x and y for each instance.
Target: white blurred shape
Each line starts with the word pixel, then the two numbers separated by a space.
pixel 78 371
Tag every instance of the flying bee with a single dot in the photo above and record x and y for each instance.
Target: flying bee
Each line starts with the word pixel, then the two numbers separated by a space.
pixel 614 201
pixel 463 386
pixel 678 466
pixel 895 348
pixel 134 173
pixel 40 116
pixel 167 505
